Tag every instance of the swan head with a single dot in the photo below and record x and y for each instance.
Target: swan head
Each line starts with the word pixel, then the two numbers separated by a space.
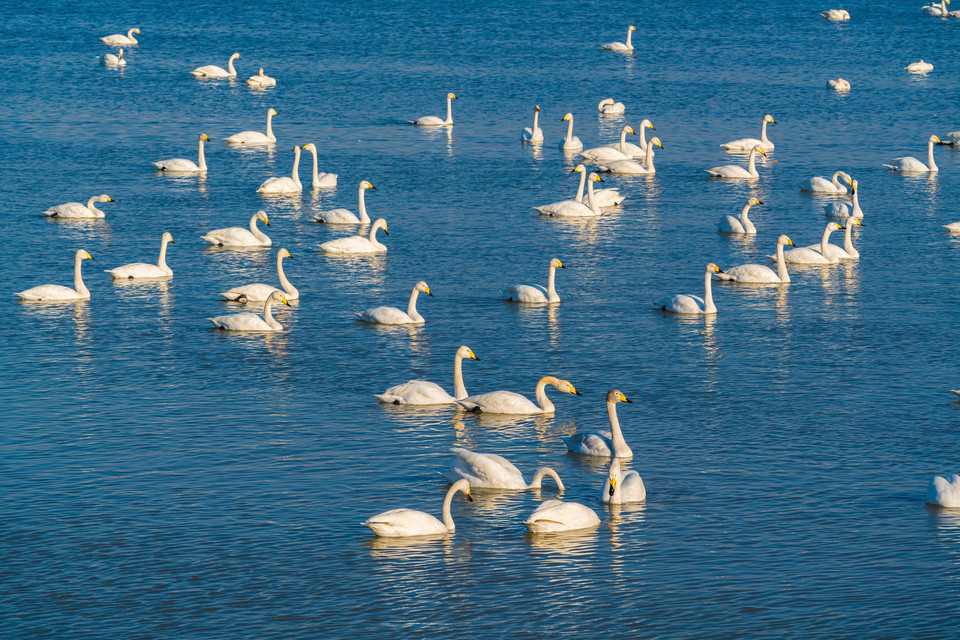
pixel 712 268
pixel 578 169
pixel 846 176
pixel 556 263
pixel 121 54
pixel 83 255
pixel 759 148
pixel 278 296
pixel 309 147
pixel 566 116
pixel 851 222
pixel 853 184
pixel 423 288
pixel 283 253
pixel 753 201
pixel 166 237
pixel 785 240
pixel 536 107
pixel 833 226
pixel 262 215
pixel 466 352
pixel 656 142
pixel 366 185
pixel 136 31
pixel 615 395
pixel 646 123
pixel 935 139
pixel 272 112
pixel 451 96
pixel 629 130
pixel 631 28
pixel 380 223
pixel 605 101
pixel 769 118
pixel 464 486
pixel 567 387
pixel 203 136
pixel 594 178
pixel 104 198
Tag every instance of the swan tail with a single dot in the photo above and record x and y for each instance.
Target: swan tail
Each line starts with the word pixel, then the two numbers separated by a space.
pixel 955 391
pixel 386 398
pixel 469 406
pixel 319 218
pixel 726 277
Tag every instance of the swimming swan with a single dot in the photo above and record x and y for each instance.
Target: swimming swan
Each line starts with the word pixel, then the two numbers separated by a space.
pixel 554 516
pixel 345 216
pixel 736 172
pixel 284 184
pixel 358 244
pixel 572 208
pixel 434 121
pixel 490 471
pixel 835 14
pixel 744 144
pixel 256 137
pixel 611 107
pixel 60 293
pixel 919 67
pixel 119 38
pixel 621 46
pixel 758 273
pixel 534 293
pixel 424 392
pixel 838 85
pixel 936 8
pixel 635 150
pixel 729 224
pixel 818 184
pixel 848 252
pixel 514 403
pixel 78 210
pixel 605 444
pixel 602 197
pixel 533 135
pixel 944 492
pixel 261 81
pixel 259 292
pixel 909 164
pixel 213 71
pixel 632 167
pixel 321 180
pixel 570 142
pixel 182 165
pixel 145 270
pixel 401 523
pixel 622 487
pixel 392 315
pixel 251 321
pixel 601 154
pixel 111 60
pixel 240 237
pixel 808 255
pixel 840 210
pixel 692 305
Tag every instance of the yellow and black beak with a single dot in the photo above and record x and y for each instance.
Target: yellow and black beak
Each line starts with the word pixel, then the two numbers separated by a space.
pixel 613 485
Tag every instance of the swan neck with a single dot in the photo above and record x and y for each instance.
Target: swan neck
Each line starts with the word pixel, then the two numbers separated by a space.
pixel 551 289
pixel 617 435
pixel 708 306
pixel 449 110
pixel 537 481
pixel 412 305
pixel 623 142
pixel 373 237
pixel 763 132
pixel 856 204
pixel 201 160
pixel 295 174
pixel 930 162
pixel 286 284
pixel 447 501
pixel 848 239
pixel 643 137
pixel 782 265
pixel 316 176
pixel 364 218
pixel 629 39
pixel 583 182
pixel 541 394
pixel 459 390
pixel 648 159
pixel 536 121
pixel 268 315
pixel 232 71
pixel 825 241
pixel 743 214
pixel 569 130
pixel 130 36
pixel 752 163
pixel 162 261
pixel 269 113
pixel 78 279
pixel 259 235
pixel 591 200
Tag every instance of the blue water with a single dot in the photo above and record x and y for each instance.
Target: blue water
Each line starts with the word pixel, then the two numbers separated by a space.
pixel 164 480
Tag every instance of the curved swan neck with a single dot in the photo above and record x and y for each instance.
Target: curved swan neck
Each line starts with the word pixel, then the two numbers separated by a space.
pixel 782 264
pixel 825 240
pixel 583 181
pixel 752 162
pixel 708 306
pixel 617 435
pixel 232 71
pixel 259 235
pixel 201 160
pixel 836 182
pixel 591 201
pixel 162 262
pixel 77 278
pixel 412 305
pixel 623 142
pixel 447 501
pixel 648 159
pixel 763 132
pixel 269 115
pixel 93 207
pixel 459 390
pixel 930 162
pixel 743 214
pixel 541 393
pixel 449 110
pixel 643 137
pixel 130 36
pixel 373 237
pixel 286 284
pixel 268 315
pixel 551 289
pixel 537 481
pixel 364 218
pixel 295 174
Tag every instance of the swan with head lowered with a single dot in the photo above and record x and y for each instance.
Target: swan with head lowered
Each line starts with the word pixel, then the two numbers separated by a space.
pixel 730 224
pixel 909 164
pixel 182 165
pixel 835 15
pixel 256 137
pixel 808 255
pixel 259 292
pixel 819 184
pixel 513 403
pixel 735 171
pixel 345 216
pixel 424 392
pixel 120 39
pixel 261 81
pixel 358 244
pixel 78 210
pixel 534 293
pixel 434 121
pixel 252 321
pixel 692 305
pixel 631 167
pixel 838 85
pixel 57 292
pixel 840 210
pixel 570 142
pixel 621 46
pixel 111 60
pixel 606 444
pixel 944 492
pixel 848 251
pixel 744 144
pixel 533 135
pixel 620 487
pixel 490 471
pixel 321 180
pixel 602 154
pixel 146 270
pixel 555 516
pixel 240 237
pixel 402 523
pixel 392 315
pixel 636 150
pixel 213 71
pixel 758 273
pixel 919 67
pixel 610 107
pixel 573 208
pixel 283 184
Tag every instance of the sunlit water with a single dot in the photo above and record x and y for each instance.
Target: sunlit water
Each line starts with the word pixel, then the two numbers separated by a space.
pixel 163 480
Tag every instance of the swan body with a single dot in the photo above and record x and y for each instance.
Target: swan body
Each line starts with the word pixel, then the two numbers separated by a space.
pixel 534 293
pixel 744 144
pixel 620 487
pixel 256 137
pixel 636 150
pixel 570 142
pixel 423 392
pixel 321 180
pixel 602 154
pixel 919 67
pixel 808 255
pixel 401 523
pixel 730 224
pixel 910 164
pixel 604 444
pixel 213 71
pixel 57 292
pixel 758 273
pixel 259 292
pixel 146 270
pixel 632 167
pixel 111 60
pixel 622 46
pixel 120 39
pixel 490 471
pixel 611 107
pixel 392 315
pixel 838 85
pixel 818 184
pixel 554 516
pixel 735 171
pixel 182 165
pixel 513 403
pixel 240 237
pixel 283 184
pixel 842 211
pixel 359 244
pixel 835 14
pixel 78 210
pixel 345 216
pixel 936 8
pixel 434 121
pixel 533 134
pixel 692 305
pixel 251 321
pixel 944 492
pixel 848 251
pixel 261 81
pixel 573 208
pixel 953 227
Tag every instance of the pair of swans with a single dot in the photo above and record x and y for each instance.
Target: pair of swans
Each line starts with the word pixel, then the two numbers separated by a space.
pixel 76 210
pixel 358 244
pixel 848 251
pixel 402 523
pixel 345 216
pixel 940 9
pixel 570 142
pixel 631 167
pixel 534 293
pixel 261 81
pixel 424 392
pixel 838 85
pixel 575 208
pixel 182 165
pixel 919 67
pixel 138 270
pixel 284 185
pixel 394 316
pixel 758 273
pixel 944 492
pixel 605 444
pixel 111 60
pixel 251 321
pixel 490 471
pixel 744 144
pixel 622 46
pixel 684 304
pixel 610 107
pixel 259 292
pixel 255 137
pixel 909 164
pixel 533 135
pixel 434 121
pixel 835 15
pixel 240 237
pixel 840 210
pixel 213 71
pixel 819 184
pixel 825 253
pixel 618 152
pixel 601 197
pixel 735 171
pixel 620 487
pixel 512 403
pixel 120 39
pixel 635 150
pixel 730 224
pixel 57 292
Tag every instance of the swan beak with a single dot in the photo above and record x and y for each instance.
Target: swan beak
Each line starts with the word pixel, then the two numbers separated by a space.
pixel 171 241
pixel 560 264
pixel 536 108
pixel 660 144
pixel 428 292
pixel 772 121
pixel 305 146
pixel 652 128
pixel 370 186
pixel 757 201
pixel 473 355
pixel 283 299
pixel 87 255
pixel 938 140
pixel 763 153
pixel 613 484
pixel 574 391
pixel 385 231
pixel 599 179
pixel 790 242
pixel 266 222
pixel 109 199
pixel 469 497
pixel 857 221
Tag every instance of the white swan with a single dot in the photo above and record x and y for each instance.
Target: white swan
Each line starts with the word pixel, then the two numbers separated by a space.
pixel 145 270
pixel 602 154
pixel 490 471
pixel 213 71
pixel 182 165
pixel 736 172
pixel 634 168
pixel 111 60
pixel 729 224
pixel 240 237
pixel 401 523
pixel 944 492
pixel 819 184
pixel 78 210
pixel 605 444
pixel 261 81
pixel 919 67
pixel 953 139
pixel 573 208
pixel 434 121
pixel 621 46
pixel 601 197
pixel 953 227
pixel 744 144
pixel 358 244
pixel 838 85
pixel 514 403
pixel 936 8
pixel 251 321
pixel 345 216
pixel 636 150
pixel 758 273
pixel 259 292
pixel 909 164
pixel 256 137
pixel 321 180
pixel 57 292
pixel 848 252
pixel 554 516
pixel 533 135
pixel 620 487
pixel 119 38
pixel 570 142
pixel 284 184
pixel 808 255
pixel 534 293
pixel 692 305
pixel 835 14
pixel 421 392
pixel 392 315
pixel 611 107
pixel 840 210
